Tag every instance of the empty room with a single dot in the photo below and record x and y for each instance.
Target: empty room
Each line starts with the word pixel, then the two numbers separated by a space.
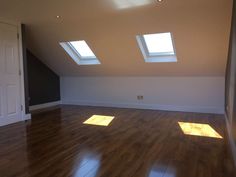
pixel 117 88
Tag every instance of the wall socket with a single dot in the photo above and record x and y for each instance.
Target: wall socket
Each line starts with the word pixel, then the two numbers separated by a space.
pixel 140 97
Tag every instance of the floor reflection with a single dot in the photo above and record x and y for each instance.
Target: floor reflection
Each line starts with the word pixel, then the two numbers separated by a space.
pixel 57 144
pixel 88 166
pixel 162 171
pixel 156 174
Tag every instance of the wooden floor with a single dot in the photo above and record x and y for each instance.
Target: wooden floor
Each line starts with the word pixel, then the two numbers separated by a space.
pixel 137 143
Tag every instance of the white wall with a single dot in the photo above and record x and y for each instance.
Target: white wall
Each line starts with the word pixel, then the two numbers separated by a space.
pixel 193 94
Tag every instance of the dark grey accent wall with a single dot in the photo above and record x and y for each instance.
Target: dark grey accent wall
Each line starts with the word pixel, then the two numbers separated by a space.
pixel 230 100
pixel 44 84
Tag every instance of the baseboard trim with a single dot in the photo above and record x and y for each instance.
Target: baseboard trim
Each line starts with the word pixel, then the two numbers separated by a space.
pixel 231 140
pixel 197 109
pixel 27 116
pixel 45 105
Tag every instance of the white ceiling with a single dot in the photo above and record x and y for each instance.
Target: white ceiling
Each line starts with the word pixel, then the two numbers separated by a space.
pixel 200 28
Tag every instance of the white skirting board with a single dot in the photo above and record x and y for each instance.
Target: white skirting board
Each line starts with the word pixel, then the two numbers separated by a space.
pixel 231 141
pixel 27 116
pixel 45 105
pixel 197 109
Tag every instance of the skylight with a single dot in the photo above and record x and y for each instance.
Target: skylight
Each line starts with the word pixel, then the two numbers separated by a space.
pixel 83 49
pixel 159 43
pixel 80 52
pixel 157 47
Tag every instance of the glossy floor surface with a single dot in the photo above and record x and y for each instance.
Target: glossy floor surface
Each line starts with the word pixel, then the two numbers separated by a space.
pixel 136 143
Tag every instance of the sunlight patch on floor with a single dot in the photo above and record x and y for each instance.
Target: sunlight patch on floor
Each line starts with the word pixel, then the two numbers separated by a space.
pixel 99 120
pixel 197 129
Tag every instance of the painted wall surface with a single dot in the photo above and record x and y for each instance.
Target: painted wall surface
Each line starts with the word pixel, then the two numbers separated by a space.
pixel 194 94
pixel 231 85
pixel 200 31
pixel 44 84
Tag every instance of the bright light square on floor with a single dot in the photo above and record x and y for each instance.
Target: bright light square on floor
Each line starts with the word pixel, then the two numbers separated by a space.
pixel 99 120
pixel 197 129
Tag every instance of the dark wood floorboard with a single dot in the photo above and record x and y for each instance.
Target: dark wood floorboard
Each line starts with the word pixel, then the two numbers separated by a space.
pixel 137 143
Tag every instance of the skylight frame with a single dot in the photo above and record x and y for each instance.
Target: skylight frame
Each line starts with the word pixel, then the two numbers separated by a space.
pixel 75 55
pixel 159 56
pixel 85 57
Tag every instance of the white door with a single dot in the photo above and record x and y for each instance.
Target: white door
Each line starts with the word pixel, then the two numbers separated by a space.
pixel 10 101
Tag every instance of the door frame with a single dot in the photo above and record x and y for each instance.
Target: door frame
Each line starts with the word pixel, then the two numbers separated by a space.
pixel 24 115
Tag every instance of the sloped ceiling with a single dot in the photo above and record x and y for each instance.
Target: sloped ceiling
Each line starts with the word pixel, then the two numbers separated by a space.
pixel 200 28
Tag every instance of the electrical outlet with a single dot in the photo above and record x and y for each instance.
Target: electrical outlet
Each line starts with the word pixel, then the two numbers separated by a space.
pixel 140 97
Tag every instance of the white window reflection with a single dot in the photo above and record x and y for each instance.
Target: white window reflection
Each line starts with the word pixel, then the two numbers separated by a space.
pixel 89 166
pixel 162 171
pixel 124 4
